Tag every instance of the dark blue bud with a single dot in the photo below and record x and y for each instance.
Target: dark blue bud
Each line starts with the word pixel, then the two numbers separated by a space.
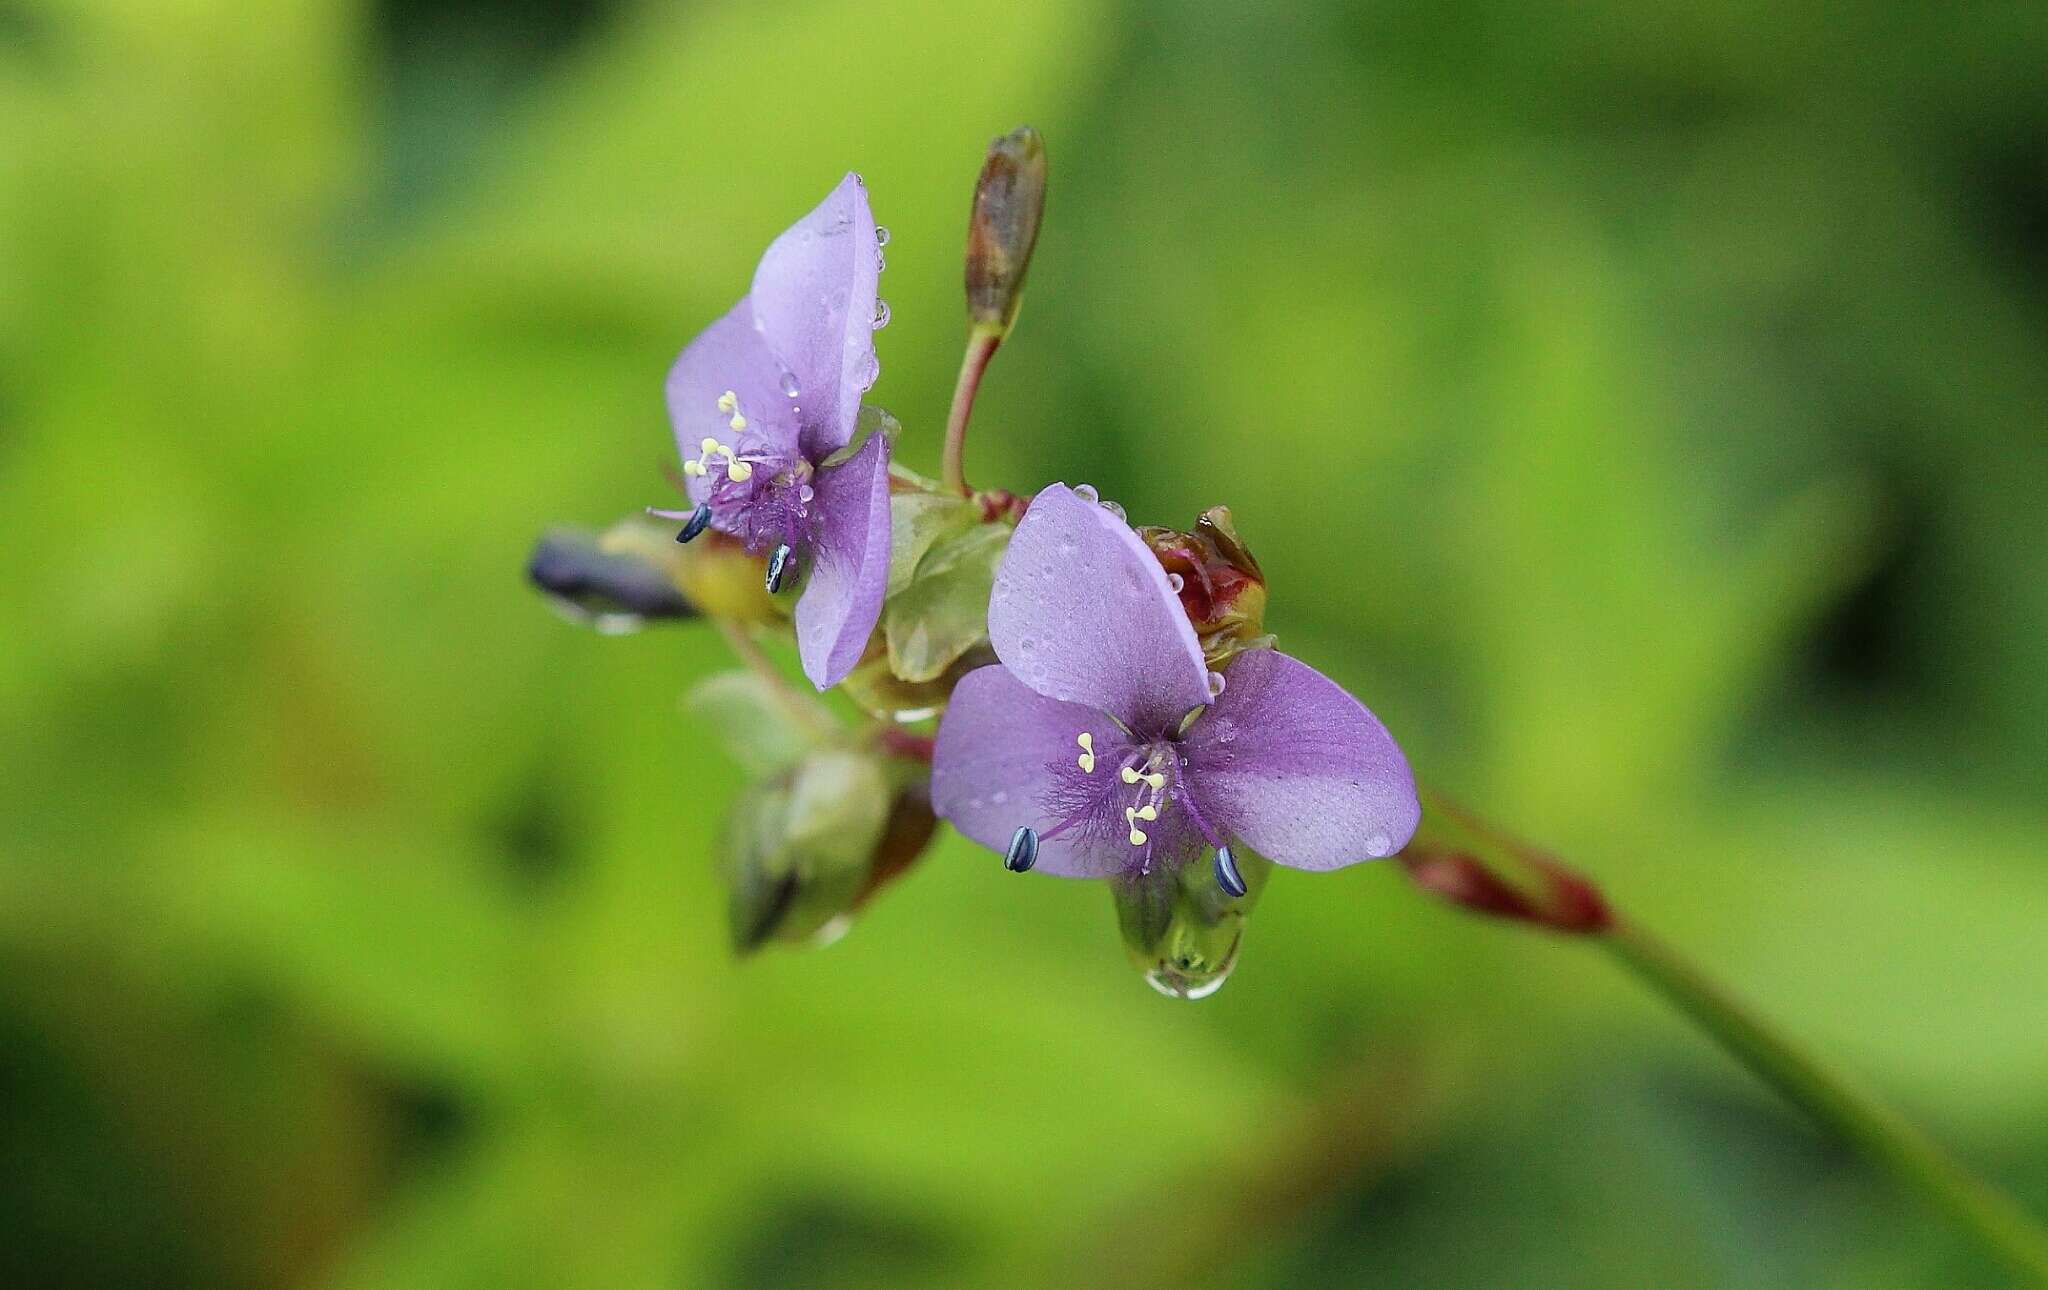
pixel 1227 876
pixel 780 565
pixel 698 521
pixel 1023 852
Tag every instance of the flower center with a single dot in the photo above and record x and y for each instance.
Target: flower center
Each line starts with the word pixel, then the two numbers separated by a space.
pixel 1129 804
pixel 760 492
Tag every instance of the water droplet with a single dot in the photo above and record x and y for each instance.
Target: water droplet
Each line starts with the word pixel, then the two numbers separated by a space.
pixel 1087 493
pixel 806 493
pixel 1117 511
pixel 1379 844
pixel 831 931
pixel 1176 582
pixel 1175 983
pixel 881 235
pixel 881 313
pixel 789 386
pixel 999 796
pixel 1216 684
pixel 881 262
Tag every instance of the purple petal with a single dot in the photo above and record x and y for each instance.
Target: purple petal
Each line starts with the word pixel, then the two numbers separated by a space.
pixel 1296 768
pixel 727 356
pixel 1002 761
pixel 1082 612
pixel 814 302
pixel 849 559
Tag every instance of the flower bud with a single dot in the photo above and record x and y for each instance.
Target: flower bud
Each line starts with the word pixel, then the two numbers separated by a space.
pixel 1222 589
pixel 1555 897
pixel 802 849
pixel 1181 928
pixel 616 585
pixel 635 572
pixel 1003 227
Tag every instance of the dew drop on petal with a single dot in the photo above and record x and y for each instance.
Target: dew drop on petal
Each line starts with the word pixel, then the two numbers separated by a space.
pixel 1216 681
pixel 1176 582
pixel 806 493
pixel 1087 493
pixel 881 313
pixel 1379 844
pixel 881 235
pixel 1117 511
pixel 790 388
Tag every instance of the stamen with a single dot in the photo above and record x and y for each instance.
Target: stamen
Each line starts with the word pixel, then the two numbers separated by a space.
pixel 699 518
pixel 1131 818
pixel 1153 779
pixel 1087 757
pixel 1227 876
pixel 1023 852
pixel 780 565
pixel 735 469
pixel 730 402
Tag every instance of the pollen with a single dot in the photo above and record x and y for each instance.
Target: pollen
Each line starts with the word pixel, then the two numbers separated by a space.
pixel 729 403
pixel 1131 817
pixel 736 470
pixel 1087 757
pixel 1153 779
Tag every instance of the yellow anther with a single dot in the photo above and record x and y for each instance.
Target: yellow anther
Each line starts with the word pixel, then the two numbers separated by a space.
pixel 1087 757
pixel 728 401
pixel 693 468
pixel 1131 818
pixel 736 470
pixel 1156 780
pixel 1130 775
pixel 707 446
pixel 1147 812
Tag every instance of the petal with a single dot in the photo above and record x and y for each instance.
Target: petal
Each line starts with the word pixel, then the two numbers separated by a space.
pixel 727 355
pixel 1293 766
pixel 814 301
pixel 849 564
pixel 998 763
pixel 1082 612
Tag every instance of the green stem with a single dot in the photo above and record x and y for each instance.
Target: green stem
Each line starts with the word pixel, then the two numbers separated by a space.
pixel 807 709
pixel 981 347
pixel 1842 1106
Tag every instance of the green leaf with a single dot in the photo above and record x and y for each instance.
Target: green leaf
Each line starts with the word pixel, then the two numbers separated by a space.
pixel 917 521
pixel 757 725
pixel 943 611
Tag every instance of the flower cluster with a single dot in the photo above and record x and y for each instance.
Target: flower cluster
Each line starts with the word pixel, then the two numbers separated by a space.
pixel 1108 703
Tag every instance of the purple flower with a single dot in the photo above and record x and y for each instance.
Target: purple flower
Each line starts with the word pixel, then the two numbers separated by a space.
pixel 764 404
pixel 1102 744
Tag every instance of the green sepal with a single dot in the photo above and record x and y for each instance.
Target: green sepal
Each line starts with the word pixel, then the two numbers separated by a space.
pixel 753 720
pixel 942 611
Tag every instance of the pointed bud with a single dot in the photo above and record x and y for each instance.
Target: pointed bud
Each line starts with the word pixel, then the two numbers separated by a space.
pixel 617 582
pixel 1556 897
pixel 1222 589
pixel 799 847
pixel 1008 200
pixel 1182 927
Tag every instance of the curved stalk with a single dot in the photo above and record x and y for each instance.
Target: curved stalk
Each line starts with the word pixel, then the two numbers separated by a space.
pixel 1837 1103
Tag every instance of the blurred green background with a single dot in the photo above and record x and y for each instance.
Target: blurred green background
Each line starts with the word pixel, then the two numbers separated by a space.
pixel 1644 409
